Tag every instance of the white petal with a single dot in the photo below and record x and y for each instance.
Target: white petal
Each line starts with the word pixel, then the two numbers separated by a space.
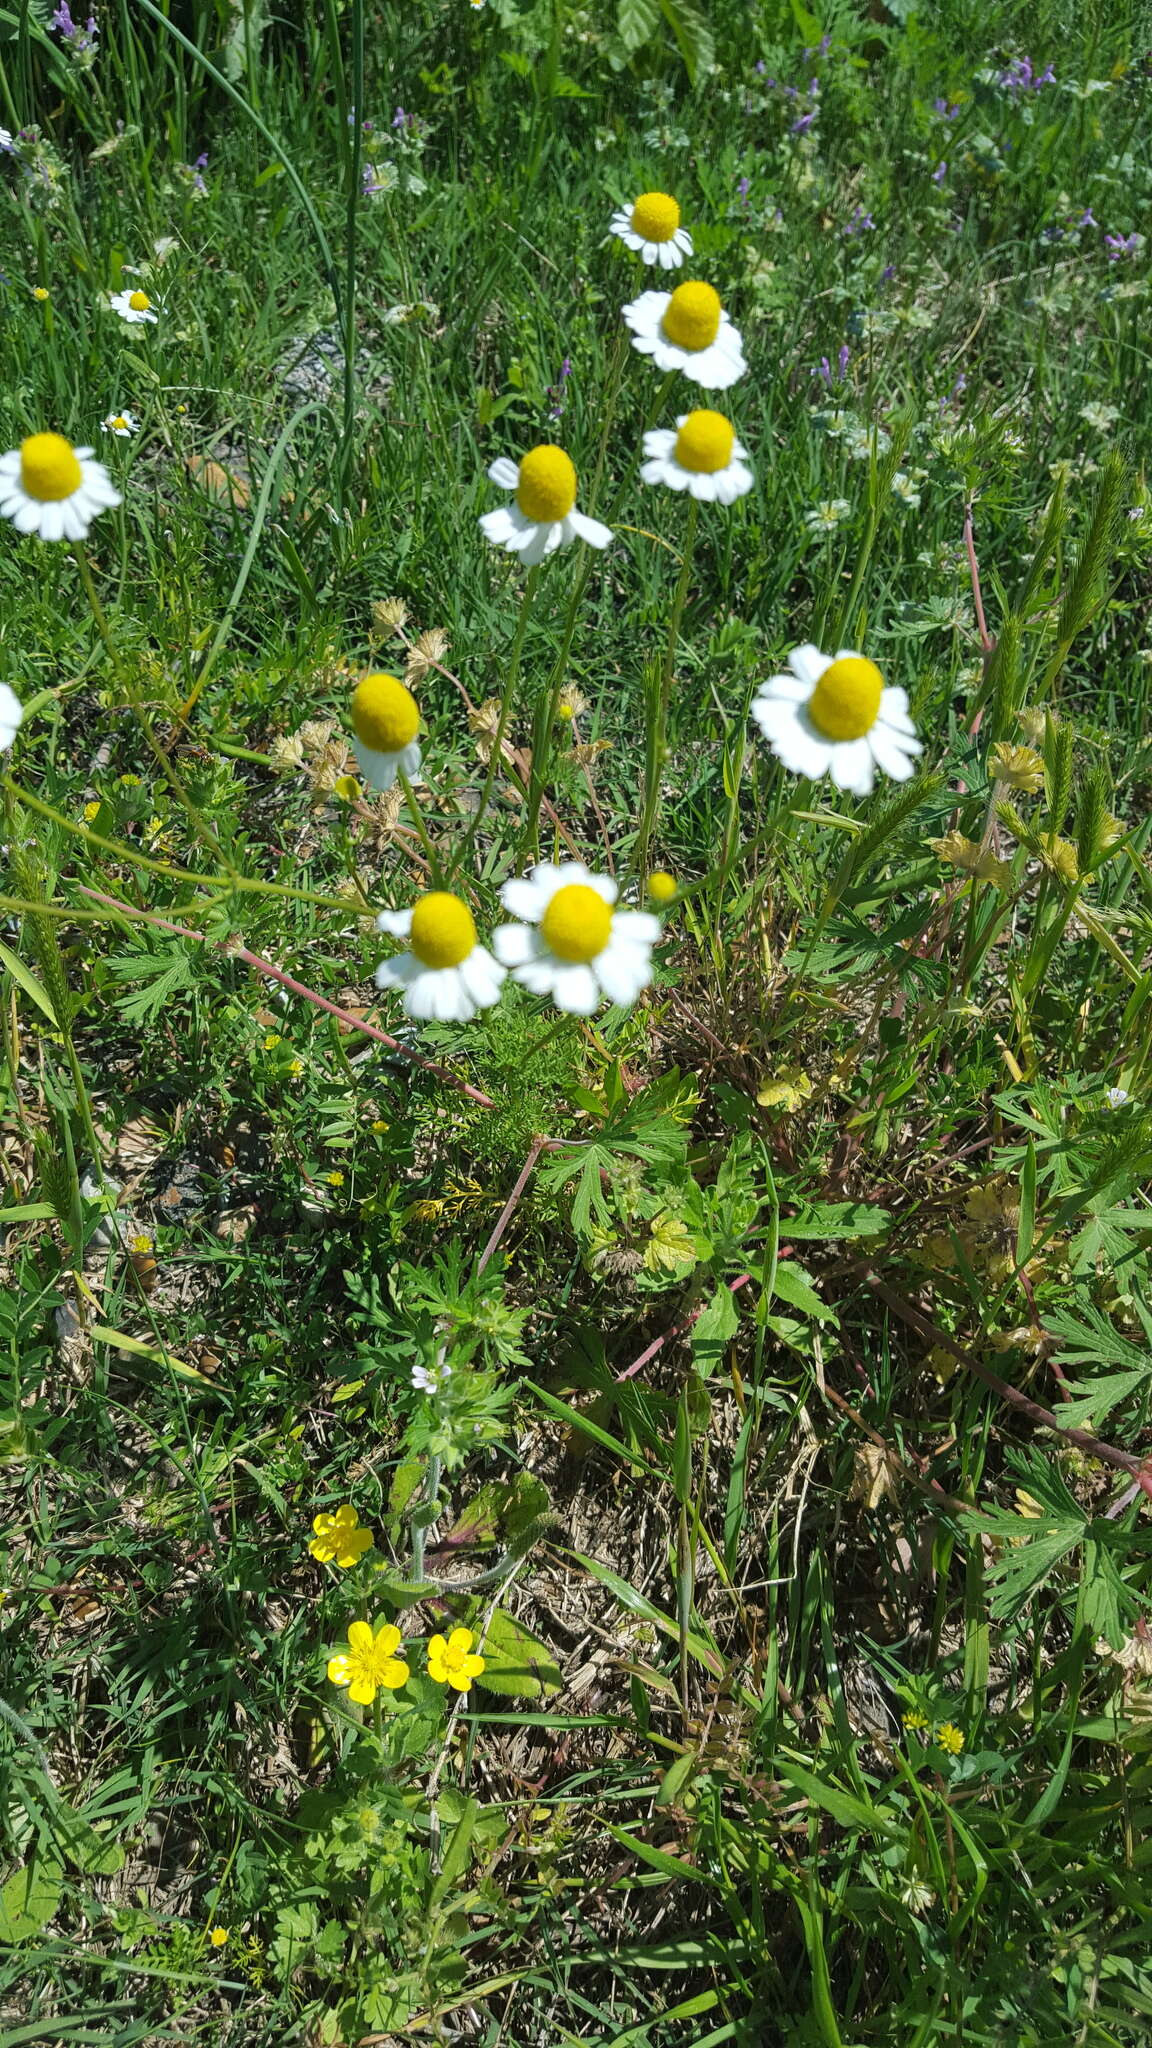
pixel 888 752
pixel 515 944
pixel 574 989
pixel 593 531
pixel 537 975
pixel 733 483
pixel 683 241
pixel 622 971
pixel 784 690
pixel 644 314
pixel 52 521
pixel 399 972
pixel 408 760
pixel 504 472
pixel 398 923
pixel 808 663
pixel 499 528
pixel 378 770
pixel 26 518
pixel 660 442
pixel 9 465
pixel 524 899
pixel 659 470
pixel 439 995
pixel 894 710
pixel 74 522
pixel 703 486
pixel 851 766
pixel 792 743
pixel 482 976
pixel 11 712
pixel 636 928
pixel 567 874
pixel 543 540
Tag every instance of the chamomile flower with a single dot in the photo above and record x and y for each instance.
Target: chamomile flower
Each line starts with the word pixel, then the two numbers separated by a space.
pixel 51 488
pixel 834 715
pixel 574 945
pixel 688 330
pixel 11 716
pixel 385 721
pixel 652 228
pixel 122 424
pixel 703 457
pixel 827 515
pixel 133 306
pixel 446 974
pixel 543 515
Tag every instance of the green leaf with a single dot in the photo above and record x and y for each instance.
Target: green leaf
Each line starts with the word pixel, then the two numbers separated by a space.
pixel 792 1285
pixel 1026 1228
pixel 836 1219
pixel 29 984
pixel 93 1854
pixel 844 1807
pixel 635 1603
pixel 515 1663
pixel 714 1329
pixel 637 22
pixel 29 1900
pixel 694 38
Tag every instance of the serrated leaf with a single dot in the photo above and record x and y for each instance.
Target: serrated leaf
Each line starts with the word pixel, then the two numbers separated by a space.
pixel 694 38
pixel 637 22
pixel 515 1663
pixel 792 1285
pixel 836 1219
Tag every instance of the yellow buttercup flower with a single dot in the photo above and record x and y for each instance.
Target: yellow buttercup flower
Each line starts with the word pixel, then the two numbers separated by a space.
pixel 218 1936
pixel 452 1661
pixel 370 1664
pixel 339 1539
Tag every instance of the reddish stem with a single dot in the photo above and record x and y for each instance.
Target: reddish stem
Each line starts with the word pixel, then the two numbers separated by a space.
pixel 502 1221
pixel 677 1330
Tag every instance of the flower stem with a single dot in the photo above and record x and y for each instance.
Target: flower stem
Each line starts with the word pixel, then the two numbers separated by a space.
pixel 657 747
pixel 430 853
pixel 507 696
pixel 420 1527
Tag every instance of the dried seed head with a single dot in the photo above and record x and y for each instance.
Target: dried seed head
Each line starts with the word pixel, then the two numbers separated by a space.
pixel 286 753
pixel 389 615
pixel 1019 768
pixel 428 649
pixel 316 733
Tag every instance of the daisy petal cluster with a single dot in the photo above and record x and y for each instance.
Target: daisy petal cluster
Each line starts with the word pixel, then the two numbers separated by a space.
pixel 452 1660
pixel 370 1664
pixel 446 975
pixel 688 330
pixel 50 488
pixel 122 424
pixel 833 715
pixel 543 515
pixel 703 457
pixel 651 227
pixel 574 944
pixel 133 306
pixel 11 716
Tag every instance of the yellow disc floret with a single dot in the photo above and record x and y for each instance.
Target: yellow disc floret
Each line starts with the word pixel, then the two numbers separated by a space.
pixel 385 714
pixel 662 886
pixel 705 442
pixel 576 923
pixel 844 704
pixel 49 470
pixel 547 487
pixel 655 216
pixel 443 932
pixel 140 302
pixel 692 318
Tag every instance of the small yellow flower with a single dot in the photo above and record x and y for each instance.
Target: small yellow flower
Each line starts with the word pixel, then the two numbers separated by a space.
pixel 141 1244
pixel 272 1038
pixel 295 1067
pixel 788 1091
pixel 38 292
pixel 379 1127
pixel 662 886
pixel 129 781
pixel 335 1180
pixel 370 1663
pixel 339 1539
pixel 218 1936
pixel 91 811
pixel 915 1719
pixel 950 1738
pixel 453 1662
pixel 347 787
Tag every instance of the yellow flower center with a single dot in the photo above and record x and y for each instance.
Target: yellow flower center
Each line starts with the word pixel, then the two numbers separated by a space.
pixel 844 704
pixel 705 442
pixel 661 885
pixel 443 932
pixel 140 302
pixel 576 923
pixel 692 319
pixel 385 715
pixel 119 420
pixel 48 467
pixel 655 216
pixel 547 487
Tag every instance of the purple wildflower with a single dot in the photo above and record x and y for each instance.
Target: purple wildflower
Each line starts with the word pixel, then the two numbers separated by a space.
pixel 860 222
pixel 1087 219
pixel 888 273
pixel 556 391
pixel 823 370
pixel 940 173
pixel 947 109
pixel 743 187
pixel 804 122
pixel 81 41
pixel 400 119
pixel 1021 77
pixel 842 359
pixel 1122 245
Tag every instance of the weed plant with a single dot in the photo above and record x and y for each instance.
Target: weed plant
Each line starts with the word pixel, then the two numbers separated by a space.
pixel 575 1440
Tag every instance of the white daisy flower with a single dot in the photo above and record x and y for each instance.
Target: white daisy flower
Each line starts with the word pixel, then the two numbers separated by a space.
pixel 51 488
pixel 133 306
pixel 385 721
pixel 445 975
pixel 11 716
pixel 574 945
pixel 833 715
pixel 652 228
pixel 827 515
pixel 688 330
pixel 904 486
pixel 122 424
pixel 703 457
pixel 543 516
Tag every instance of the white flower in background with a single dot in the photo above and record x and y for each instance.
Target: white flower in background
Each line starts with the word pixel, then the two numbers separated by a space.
pixel 652 228
pixel 385 722
pixel 828 515
pixel 834 716
pixel 51 488
pixel 862 442
pixel 904 487
pixel 1116 1098
pixel 1102 417
pixel 702 457
pixel 574 945
pixel 11 716
pixel 688 330
pixel 542 517
pixel 122 424
pixel 445 974
pixel 163 246
pixel 427 1379
pixel 133 306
